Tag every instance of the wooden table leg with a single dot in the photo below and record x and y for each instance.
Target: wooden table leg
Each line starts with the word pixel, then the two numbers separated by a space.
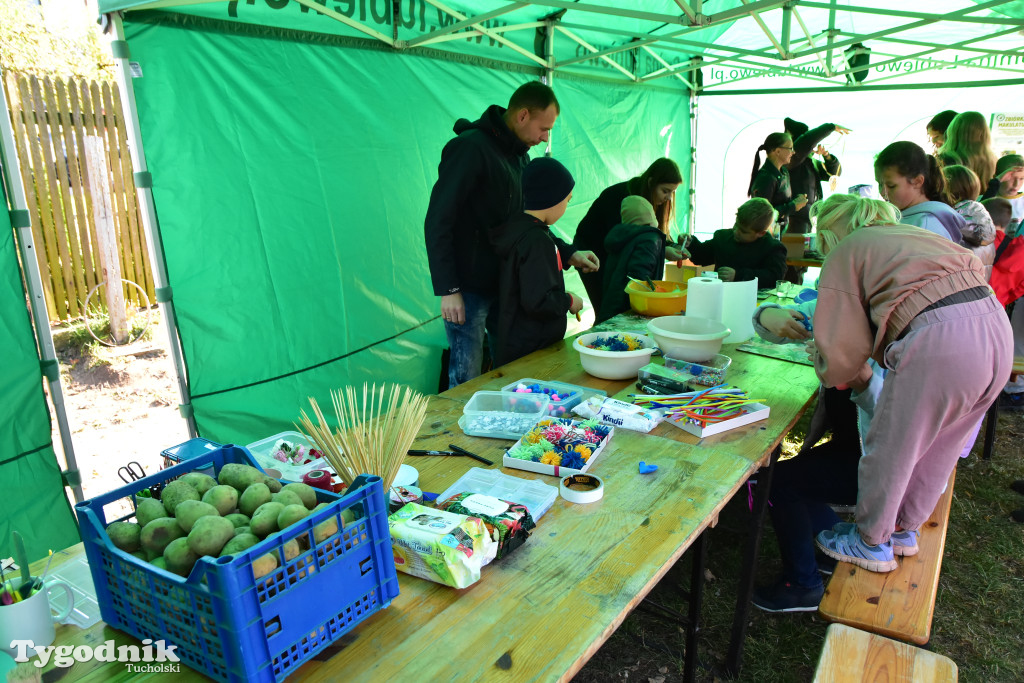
pixel 991 418
pixel 745 590
pixel 699 552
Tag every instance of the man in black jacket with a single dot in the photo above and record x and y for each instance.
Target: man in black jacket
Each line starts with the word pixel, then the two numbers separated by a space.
pixel 479 188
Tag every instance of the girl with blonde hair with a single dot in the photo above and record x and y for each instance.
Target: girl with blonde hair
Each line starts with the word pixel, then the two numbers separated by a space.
pixel 968 137
pixel 912 301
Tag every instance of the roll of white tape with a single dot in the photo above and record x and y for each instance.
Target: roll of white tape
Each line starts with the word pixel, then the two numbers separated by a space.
pixel 581 488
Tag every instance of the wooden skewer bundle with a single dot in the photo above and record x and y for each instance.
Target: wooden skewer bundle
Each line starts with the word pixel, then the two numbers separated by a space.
pixel 373 435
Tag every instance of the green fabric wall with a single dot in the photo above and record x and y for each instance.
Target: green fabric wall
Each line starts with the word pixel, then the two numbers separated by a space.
pixel 291 177
pixel 31 487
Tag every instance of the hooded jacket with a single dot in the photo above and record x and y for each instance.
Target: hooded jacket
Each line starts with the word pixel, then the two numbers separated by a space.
pixel 633 251
pixel 532 300
pixel 935 217
pixel 478 188
pixel 873 284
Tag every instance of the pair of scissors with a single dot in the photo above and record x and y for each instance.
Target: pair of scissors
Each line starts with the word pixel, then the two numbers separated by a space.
pixel 131 472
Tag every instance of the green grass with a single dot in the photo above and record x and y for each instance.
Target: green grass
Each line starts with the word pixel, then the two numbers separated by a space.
pixel 979 611
pixel 75 339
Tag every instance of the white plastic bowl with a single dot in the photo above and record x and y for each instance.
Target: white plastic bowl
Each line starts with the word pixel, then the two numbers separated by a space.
pixel 691 339
pixel 613 364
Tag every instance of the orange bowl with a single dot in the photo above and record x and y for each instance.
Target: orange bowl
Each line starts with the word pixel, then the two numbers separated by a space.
pixel 669 300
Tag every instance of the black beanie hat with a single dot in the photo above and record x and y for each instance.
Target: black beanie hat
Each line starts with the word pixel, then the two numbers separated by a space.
pixel 794 128
pixel 546 182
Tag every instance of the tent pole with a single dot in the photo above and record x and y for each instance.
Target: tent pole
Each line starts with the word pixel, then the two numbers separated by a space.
pixel 549 58
pixel 144 190
pixel 787 26
pixel 691 213
pixel 37 302
pixel 831 35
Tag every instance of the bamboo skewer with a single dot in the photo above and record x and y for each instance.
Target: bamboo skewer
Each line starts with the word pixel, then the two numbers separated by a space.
pixel 373 436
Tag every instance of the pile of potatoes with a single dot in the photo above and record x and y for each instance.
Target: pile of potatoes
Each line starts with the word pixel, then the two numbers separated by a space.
pixel 198 515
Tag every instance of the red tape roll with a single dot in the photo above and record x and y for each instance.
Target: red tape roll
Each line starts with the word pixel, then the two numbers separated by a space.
pixel 320 479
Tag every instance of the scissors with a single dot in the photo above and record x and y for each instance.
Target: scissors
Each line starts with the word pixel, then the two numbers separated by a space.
pixel 131 472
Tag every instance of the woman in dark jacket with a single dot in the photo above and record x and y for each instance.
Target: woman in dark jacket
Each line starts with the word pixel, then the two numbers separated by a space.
pixel 657 185
pixel 770 180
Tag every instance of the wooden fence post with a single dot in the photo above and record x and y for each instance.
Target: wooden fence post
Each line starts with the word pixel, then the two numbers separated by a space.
pixel 103 214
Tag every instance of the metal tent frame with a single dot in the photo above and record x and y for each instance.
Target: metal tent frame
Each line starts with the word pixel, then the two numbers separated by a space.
pixel 799 38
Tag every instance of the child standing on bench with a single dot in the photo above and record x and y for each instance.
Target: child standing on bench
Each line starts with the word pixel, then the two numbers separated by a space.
pixel 913 302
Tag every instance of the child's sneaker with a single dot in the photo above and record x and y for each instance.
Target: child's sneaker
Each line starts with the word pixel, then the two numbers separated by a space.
pixel 1011 402
pixel 788 597
pixel 904 543
pixel 1018 486
pixel 846 545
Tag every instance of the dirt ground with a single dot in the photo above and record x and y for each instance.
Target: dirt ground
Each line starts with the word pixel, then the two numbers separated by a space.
pixel 122 406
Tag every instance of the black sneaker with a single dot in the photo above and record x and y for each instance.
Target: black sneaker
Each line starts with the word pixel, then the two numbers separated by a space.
pixel 787 597
pixel 1011 402
pixel 1018 515
pixel 1018 486
pixel 826 564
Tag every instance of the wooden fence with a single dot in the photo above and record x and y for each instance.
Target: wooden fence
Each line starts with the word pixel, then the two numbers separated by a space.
pixel 51 120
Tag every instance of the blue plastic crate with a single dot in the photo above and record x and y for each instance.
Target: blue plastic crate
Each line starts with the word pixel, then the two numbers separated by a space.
pixel 225 622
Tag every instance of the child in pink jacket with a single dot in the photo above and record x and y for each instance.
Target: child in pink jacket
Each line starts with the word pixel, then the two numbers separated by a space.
pixel 912 301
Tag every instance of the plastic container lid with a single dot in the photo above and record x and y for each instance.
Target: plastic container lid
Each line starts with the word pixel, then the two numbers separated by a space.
pixel 263 452
pixel 569 395
pixel 536 496
pixel 503 414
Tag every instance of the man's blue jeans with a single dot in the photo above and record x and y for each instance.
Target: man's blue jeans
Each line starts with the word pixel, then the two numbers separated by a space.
pixel 466 341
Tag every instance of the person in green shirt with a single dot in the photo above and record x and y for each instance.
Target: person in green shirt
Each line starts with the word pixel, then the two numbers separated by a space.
pixel 747 251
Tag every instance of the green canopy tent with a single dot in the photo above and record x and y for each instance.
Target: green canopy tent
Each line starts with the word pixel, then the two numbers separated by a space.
pixel 288 149
pixel 285 149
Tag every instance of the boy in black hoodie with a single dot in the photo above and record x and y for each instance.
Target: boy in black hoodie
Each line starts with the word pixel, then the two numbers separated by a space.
pixel 531 292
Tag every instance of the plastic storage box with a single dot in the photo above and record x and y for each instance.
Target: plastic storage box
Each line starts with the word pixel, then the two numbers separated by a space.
pixel 536 496
pixel 709 373
pixel 224 622
pixel 503 414
pixel 263 452
pixel 569 395
pixel 188 450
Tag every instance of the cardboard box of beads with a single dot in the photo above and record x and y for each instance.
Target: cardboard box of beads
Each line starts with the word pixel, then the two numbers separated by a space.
pixel 559 446
pixel 564 397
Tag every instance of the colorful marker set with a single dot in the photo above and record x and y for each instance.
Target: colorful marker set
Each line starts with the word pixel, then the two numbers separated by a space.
pixel 712 405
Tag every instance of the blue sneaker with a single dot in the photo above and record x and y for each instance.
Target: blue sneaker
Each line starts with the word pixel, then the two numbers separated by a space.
pixel 846 545
pixel 904 543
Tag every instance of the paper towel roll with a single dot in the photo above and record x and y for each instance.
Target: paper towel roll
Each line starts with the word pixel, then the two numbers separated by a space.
pixel 704 298
pixel 739 299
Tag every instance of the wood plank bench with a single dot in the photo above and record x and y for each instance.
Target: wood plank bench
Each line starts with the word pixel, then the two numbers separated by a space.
pixel 900 603
pixel 852 656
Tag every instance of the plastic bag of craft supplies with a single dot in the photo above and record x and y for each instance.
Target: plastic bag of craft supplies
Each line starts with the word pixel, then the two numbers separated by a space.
pixel 440 546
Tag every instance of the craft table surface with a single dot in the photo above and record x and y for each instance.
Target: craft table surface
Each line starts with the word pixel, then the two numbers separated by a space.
pixel 542 612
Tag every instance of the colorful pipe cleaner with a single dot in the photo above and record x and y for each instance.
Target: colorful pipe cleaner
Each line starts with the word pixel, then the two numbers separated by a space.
pixel 614 342
pixel 709 406
pixel 561 442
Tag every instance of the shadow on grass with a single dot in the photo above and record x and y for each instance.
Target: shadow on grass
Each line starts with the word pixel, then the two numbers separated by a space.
pixel 979 612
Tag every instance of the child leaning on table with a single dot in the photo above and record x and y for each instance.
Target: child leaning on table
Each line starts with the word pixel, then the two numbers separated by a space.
pixel 747 251
pixel 636 249
pixel 805 487
pixel 532 300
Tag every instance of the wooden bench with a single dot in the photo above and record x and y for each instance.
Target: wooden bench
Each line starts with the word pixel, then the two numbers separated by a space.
pixel 993 412
pixel 900 603
pixel 852 656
